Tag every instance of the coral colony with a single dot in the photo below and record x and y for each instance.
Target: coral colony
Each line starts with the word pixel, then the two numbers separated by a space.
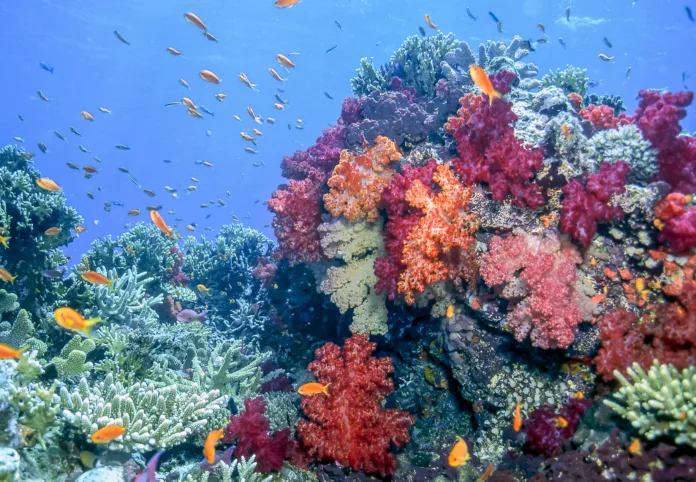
pixel 517 274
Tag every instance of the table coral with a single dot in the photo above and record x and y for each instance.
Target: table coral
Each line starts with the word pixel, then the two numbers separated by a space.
pixel 585 206
pixel 440 245
pixel 551 305
pixel 350 426
pixel 490 153
pixel 355 189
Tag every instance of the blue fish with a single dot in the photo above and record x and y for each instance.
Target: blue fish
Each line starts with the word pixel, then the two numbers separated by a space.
pixel 117 203
pixel 471 15
pixel 495 19
pixel 689 13
pixel 594 83
pixel 206 110
pixel 562 42
pixel 282 91
pixel 46 67
pixel 328 96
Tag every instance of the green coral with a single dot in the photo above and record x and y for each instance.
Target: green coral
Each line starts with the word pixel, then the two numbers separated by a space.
pixel 238 471
pixel 613 101
pixel 351 284
pixel 72 361
pixel 20 333
pixel 282 410
pixel 570 79
pixel 625 144
pixel 26 212
pixel 154 418
pixel 659 403
pixel 369 78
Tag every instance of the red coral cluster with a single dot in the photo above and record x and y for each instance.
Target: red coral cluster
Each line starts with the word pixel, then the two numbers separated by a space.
pixel 551 307
pixel 678 218
pixel 250 431
pixel 585 206
pixel 600 116
pixel 490 153
pixel 358 181
pixel 575 100
pixel 350 426
pixel 669 337
pixel 658 117
pixel 546 429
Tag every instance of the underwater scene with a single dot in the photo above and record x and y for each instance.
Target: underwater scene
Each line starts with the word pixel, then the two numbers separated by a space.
pixel 347 240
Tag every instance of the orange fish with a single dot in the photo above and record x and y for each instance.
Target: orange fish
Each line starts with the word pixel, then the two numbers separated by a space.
pixel 80 229
pixel 566 132
pixel 188 103
pixel 635 448
pixel 173 51
pixel 242 76
pixel 7 352
pixel 6 276
pixel 87 116
pixel 561 422
pixel 71 320
pixel 194 113
pixel 48 184
pixel 209 76
pixel 286 3
pixel 541 27
pixel 53 231
pixel 284 61
pixel 480 78
pixel 429 21
pixel 107 434
pixel 276 75
pixel 517 421
pixel 484 476
pixel 194 20
pixel 209 446
pixel 159 222
pixel 459 454
pixel 96 278
pixel 313 388
pixel 579 395
pixel 450 311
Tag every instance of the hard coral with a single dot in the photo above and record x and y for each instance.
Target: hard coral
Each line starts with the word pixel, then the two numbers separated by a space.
pixel 440 245
pixel 350 426
pixel 546 429
pixel 359 179
pixel 678 220
pixel 489 151
pixel 600 116
pixel 553 306
pixel 584 207
pixel 250 431
pixel 658 117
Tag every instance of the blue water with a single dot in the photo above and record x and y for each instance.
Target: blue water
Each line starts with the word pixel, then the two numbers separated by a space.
pixel 93 69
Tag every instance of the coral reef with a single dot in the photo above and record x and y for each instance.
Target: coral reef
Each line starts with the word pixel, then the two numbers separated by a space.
pixel 625 144
pixel 570 79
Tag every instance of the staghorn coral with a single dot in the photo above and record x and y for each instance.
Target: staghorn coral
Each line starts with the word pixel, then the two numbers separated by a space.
pixel 154 418
pixel 21 332
pixel 659 403
pixel 72 360
pixel 570 79
pixel 242 470
pixel 350 426
pixel 418 61
pixel 440 245
pixel 369 78
pixel 351 284
pixel 355 189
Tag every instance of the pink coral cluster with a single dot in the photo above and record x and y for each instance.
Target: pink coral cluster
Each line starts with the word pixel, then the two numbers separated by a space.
pixel 355 188
pixel 175 274
pixel 678 218
pixel 585 206
pixel 265 271
pixel 600 116
pixel 490 153
pixel 350 426
pixel 551 306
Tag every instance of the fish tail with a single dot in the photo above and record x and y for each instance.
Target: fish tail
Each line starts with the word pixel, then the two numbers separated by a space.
pixel 325 391
pixel 5 241
pixel 494 95
pixel 110 283
pixel 20 352
pixel 12 278
pixel 89 324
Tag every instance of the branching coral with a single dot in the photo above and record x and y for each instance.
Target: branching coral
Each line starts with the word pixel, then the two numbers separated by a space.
pixel 584 207
pixel 154 418
pixel 72 361
pixel 489 151
pixel 355 189
pixel 659 403
pixel 369 78
pixel 238 471
pixel 570 79
pixel 128 301
pixel 350 426
pixel 552 306
pixel 440 245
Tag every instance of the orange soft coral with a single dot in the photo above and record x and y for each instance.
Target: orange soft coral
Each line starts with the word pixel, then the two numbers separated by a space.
pixel 359 179
pixel 440 246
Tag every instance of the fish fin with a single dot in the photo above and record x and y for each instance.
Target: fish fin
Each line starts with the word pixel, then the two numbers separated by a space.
pixel 89 324
pixel 325 391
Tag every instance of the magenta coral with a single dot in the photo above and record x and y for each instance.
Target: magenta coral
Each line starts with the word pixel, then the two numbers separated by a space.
pixel 553 307
pixel 319 160
pixel 658 117
pixel 490 153
pixel 584 207
pixel 350 426
pixel 546 429
pixel 351 110
pixel 250 431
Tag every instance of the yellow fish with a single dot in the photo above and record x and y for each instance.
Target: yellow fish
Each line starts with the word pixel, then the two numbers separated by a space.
pixel 72 320
pixel 459 454
pixel 202 288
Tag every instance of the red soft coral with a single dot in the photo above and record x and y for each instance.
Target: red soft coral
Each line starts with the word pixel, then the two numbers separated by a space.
pixel 297 209
pixel 658 117
pixel 552 307
pixel 584 207
pixel 546 429
pixel 319 160
pixel 600 116
pixel 358 181
pixel 249 430
pixel 350 426
pixel 489 152
pixel 678 220
pixel 440 245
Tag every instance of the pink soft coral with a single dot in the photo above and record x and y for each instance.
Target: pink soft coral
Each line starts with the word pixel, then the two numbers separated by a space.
pixel 678 218
pixel 552 307
pixel 584 207
pixel 355 188
pixel 350 426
